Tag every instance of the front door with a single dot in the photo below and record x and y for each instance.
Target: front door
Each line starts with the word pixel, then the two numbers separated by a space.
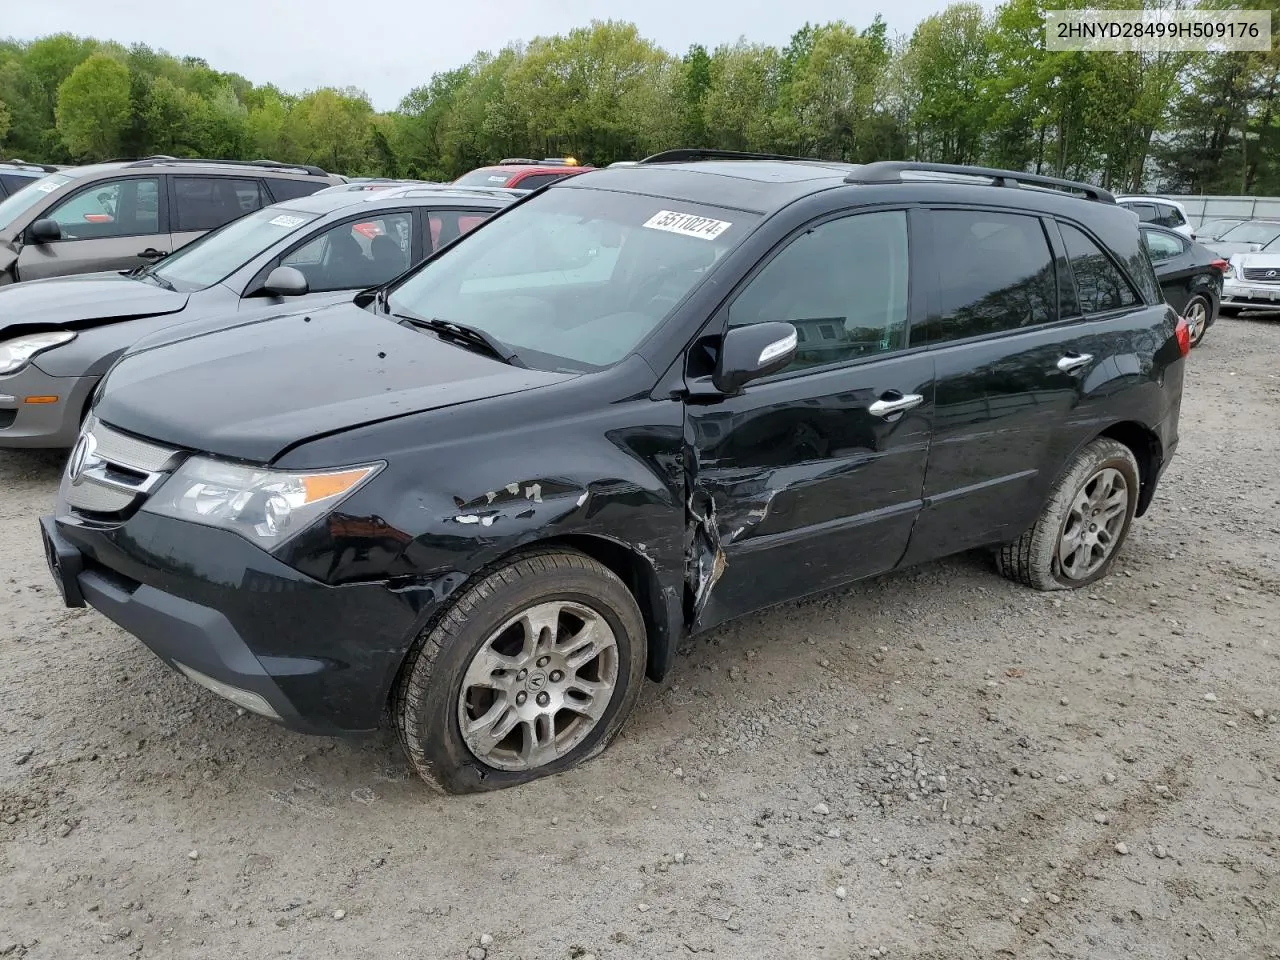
pixel 813 477
pixel 109 225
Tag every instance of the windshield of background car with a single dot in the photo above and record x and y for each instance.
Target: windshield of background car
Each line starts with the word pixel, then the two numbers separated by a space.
pixel 574 279
pixel 484 177
pixel 215 256
pixel 1252 233
pixel 26 198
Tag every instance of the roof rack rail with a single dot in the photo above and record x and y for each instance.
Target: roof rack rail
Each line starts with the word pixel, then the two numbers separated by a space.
pixel 686 155
pixel 891 171
pixel 517 160
pixel 161 159
pixel 15 162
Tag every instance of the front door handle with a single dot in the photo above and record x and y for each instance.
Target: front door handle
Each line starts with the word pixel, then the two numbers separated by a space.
pixel 151 253
pixel 1074 361
pixel 887 408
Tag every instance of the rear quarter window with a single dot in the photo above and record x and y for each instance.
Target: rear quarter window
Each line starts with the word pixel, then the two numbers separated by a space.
pixel 282 189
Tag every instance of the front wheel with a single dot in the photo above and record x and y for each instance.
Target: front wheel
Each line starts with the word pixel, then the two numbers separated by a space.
pixel 1082 526
pixel 532 670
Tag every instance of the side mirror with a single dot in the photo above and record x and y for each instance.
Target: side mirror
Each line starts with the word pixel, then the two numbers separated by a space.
pixel 286 282
pixel 749 353
pixel 44 231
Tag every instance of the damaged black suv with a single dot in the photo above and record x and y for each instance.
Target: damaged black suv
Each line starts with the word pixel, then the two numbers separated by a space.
pixel 484 501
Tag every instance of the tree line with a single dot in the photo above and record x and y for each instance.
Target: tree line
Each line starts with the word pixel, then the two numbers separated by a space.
pixel 966 86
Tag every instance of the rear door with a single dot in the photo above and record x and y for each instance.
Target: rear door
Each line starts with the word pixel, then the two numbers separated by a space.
pixel 1012 363
pixel 201 204
pixel 107 225
pixel 812 477
pixel 1172 260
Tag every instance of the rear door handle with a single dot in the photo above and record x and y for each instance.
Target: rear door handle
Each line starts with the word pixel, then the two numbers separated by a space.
pixel 151 253
pixel 886 408
pixel 1074 361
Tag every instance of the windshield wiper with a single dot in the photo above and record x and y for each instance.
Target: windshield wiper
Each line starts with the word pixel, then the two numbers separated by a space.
pixel 160 281
pixel 468 336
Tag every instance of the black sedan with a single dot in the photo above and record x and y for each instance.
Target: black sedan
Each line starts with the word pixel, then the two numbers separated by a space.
pixel 1190 276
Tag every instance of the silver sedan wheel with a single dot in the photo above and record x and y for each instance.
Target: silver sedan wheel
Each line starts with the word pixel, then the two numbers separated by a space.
pixel 1094 523
pixel 538 685
pixel 1197 320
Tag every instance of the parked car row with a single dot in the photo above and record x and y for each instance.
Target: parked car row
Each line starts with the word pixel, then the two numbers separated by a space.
pixel 485 496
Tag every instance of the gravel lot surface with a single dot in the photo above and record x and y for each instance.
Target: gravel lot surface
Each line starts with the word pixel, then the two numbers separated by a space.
pixel 933 764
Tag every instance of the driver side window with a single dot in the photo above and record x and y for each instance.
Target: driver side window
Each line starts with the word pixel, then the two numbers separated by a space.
pixel 841 284
pixel 121 208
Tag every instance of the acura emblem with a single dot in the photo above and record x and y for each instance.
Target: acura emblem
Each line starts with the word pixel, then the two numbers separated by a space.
pixel 1271 273
pixel 82 457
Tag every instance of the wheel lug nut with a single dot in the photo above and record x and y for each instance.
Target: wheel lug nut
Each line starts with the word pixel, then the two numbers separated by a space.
pixel 521 697
pixel 543 698
pixel 522 674
pixel 556 676
pixel 543 661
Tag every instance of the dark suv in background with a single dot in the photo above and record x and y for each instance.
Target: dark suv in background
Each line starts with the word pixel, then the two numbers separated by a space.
pixel 489 497
pixel 117 216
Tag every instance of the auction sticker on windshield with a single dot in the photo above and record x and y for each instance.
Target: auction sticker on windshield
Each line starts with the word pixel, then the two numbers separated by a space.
pixel 285 220
pixel 687 224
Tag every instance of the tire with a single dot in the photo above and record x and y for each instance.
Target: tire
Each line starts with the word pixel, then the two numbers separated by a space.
pixel 484 635
pixel 1200 306
pixel 1036 559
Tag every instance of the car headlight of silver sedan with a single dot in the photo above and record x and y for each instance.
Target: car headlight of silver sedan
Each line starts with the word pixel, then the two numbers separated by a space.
pixel 266 507
pixel 17 353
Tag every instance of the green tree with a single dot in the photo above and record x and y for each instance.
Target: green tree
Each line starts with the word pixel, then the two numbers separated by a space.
pixel 93 107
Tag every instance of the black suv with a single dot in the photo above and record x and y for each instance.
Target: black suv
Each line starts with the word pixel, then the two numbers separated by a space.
pixel 487 499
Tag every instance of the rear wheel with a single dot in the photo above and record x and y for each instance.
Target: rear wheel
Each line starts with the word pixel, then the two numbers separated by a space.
pixel 1082 526
pixel 531 671
pixel 1198 314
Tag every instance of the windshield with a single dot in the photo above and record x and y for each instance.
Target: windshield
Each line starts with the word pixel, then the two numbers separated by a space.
pixel 26 198
pixel 1252 232
pixel 484 177
pixel 574 279
pixel 215 256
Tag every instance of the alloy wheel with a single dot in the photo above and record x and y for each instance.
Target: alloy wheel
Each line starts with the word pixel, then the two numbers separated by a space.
pixel 1093 524
pixel 538 685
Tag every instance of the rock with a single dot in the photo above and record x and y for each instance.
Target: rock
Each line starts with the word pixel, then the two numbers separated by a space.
pixel 841 893
pixel 1062 778
pixel 1053 898
pixel 1122 848
pixel 1161 852
pixel 1063 701
pixel 477 953
pixel 757 846
pixel 821 809
pixel 555 821
pixel 193 855
pixel 642 907
pixel 733 925
pixel 680 856
pixel 486 941
pixel 339 914
pixel 1211 698
pixel 702 795
pixel 678 772
pixel 1108 778
pixel 1259 714
pixel 1101 818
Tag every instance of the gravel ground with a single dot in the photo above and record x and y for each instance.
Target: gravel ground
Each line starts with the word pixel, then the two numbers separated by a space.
pixel 934 764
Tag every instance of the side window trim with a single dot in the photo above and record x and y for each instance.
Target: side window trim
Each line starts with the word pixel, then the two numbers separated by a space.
pixel 162 206
pixel 719 323
pixel 1066 277
pixel 1134 288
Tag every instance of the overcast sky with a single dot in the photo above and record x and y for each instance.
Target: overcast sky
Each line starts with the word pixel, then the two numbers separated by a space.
pixel 387 47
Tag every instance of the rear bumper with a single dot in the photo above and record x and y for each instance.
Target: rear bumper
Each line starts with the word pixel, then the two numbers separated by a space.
pixel 53 424
pixel 321 659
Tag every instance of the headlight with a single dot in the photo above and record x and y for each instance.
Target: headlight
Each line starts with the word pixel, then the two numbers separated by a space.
pixel 16 354
pixel 264 506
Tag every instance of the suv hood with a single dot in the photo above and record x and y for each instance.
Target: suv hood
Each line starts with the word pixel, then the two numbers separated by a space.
pixel 84 300
pixel 251 392
pixel 1269 259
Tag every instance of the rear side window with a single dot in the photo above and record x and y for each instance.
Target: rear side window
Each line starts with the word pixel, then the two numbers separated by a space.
pixel 447 225
pixel 995 273
pixel 206 203
pixel 1171 216
pixel 1099 282
pixel 536 180
pixel 1146 211
pixel 1161 247
pixel 283 189
pixel 12 183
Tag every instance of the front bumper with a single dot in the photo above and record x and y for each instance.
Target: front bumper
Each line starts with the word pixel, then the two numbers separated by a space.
pixel 1246 293
pixel 322 658
pixel 42 424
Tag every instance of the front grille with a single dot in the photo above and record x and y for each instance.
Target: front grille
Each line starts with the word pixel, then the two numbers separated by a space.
pixel 110 472
pixel 1264 274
